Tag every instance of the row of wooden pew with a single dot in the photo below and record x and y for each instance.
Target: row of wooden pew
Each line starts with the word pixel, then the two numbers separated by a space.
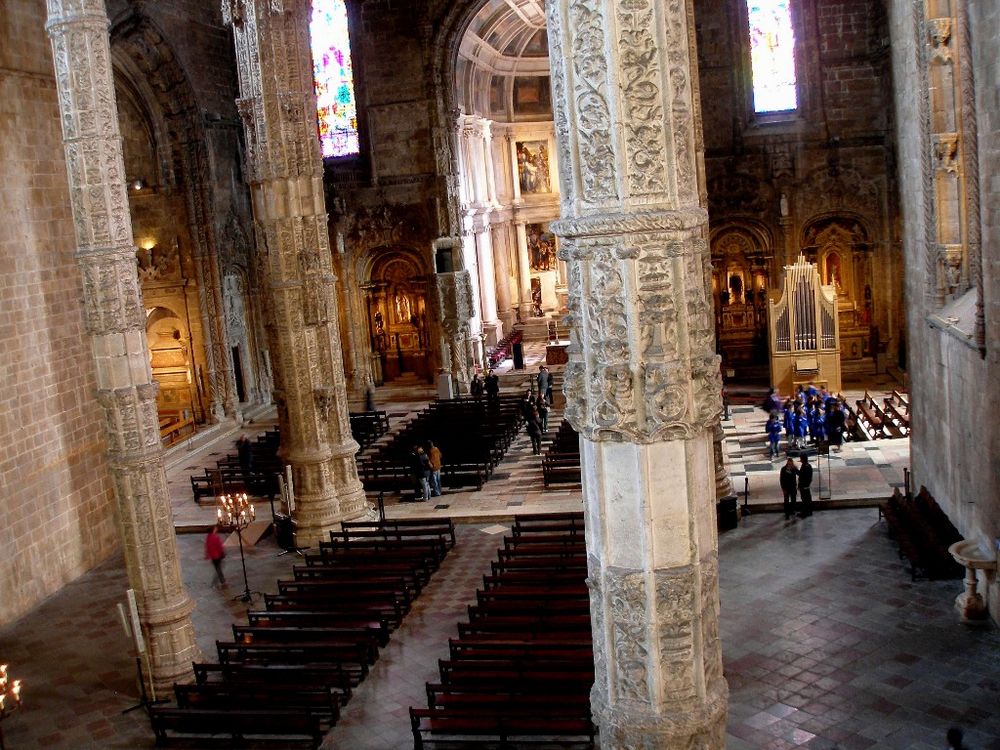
pixel 285 675
pixel 519 673
pixel 473 435
pixel 229 475
pixel 922 532
pixel 890 419
pixel 561 462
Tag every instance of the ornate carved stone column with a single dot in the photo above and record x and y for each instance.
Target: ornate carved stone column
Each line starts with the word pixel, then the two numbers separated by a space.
pixel 454 302
pixel 115 320
pixel 723 479
pixel 642 383
pixel 285 172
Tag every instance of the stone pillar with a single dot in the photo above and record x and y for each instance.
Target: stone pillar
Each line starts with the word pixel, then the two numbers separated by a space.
pixel 523 269
pixel 492 326
pixel 643 382
pixel 115 319
pixel 723 480
pixel 285 171
pixel 500 239
pixel 454 304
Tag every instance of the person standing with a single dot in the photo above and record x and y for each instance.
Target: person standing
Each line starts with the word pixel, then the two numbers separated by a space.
pixel 788 477
pixel 421 474
pixel 835 424
pixel 544 383
pixel 534 431
pixel 434 461
pixel 805 484
pixel 216 552
pixel 773 428
pixel 492 386
pixel 476 386
pixel 369 396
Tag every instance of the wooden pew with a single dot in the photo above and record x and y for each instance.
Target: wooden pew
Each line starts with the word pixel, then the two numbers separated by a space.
pixel 239 724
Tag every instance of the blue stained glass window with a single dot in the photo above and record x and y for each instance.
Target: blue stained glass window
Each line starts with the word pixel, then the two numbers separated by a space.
pixel 333 77
pixel 772 55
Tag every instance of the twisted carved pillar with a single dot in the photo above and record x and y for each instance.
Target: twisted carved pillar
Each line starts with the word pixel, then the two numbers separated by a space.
pixel 642 383
pixel 115 320
pixel 285 171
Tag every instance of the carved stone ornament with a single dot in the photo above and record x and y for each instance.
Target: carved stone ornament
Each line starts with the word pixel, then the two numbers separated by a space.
pixel 635 380
pixel 939 38
pixel 946 152
pixel 626 598
pixel 326 400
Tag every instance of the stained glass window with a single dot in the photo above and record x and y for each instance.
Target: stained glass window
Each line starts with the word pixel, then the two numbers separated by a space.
pixel 333 77
pixel 772 55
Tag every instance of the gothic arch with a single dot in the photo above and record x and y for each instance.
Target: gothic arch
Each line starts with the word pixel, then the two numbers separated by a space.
pixel 143 58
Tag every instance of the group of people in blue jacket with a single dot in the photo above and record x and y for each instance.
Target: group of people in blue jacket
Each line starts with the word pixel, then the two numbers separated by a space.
pixel 812 415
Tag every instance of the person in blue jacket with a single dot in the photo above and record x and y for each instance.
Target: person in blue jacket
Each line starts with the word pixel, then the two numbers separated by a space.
pixel 818 424
pixel 801 427
pixel 788 420
pixel 773 428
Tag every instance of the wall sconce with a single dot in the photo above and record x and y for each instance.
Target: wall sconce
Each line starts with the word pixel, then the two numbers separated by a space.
pixel 148 244
pixel 137 185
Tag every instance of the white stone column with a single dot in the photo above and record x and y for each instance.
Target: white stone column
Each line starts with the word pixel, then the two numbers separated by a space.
pixel 488 286
pixel 642 383
pixel 285 171
pixel 523 270
pixel 500 240
pixel 115 319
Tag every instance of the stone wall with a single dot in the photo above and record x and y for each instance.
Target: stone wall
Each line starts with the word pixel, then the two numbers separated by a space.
pixel 55 492
pixel 833 155
pixel 956 436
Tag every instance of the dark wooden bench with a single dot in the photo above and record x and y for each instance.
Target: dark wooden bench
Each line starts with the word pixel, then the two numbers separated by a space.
pixel 923 533
pixel 339 677
pixel 512 728
pixel 238 724
pixel 322 701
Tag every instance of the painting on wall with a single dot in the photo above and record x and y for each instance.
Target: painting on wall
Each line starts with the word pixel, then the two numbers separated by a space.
pixel 533 166
pixel 541 247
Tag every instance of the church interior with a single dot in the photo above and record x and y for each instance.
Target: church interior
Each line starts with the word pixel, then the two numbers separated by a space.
pixel 258 217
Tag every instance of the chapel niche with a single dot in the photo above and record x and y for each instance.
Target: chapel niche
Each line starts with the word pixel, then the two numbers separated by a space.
pixel 739 291
pixel 396 301
pixel 841 248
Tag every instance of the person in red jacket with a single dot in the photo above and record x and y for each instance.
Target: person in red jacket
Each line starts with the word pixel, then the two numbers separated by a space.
pixel 215 552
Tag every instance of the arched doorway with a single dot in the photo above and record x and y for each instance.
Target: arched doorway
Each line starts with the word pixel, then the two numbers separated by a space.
pixel 396 302
pixel 170 360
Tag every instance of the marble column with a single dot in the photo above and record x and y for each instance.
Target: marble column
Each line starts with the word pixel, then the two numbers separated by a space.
pixel 642 383
pixel 523 270
pixel 500 240
pixel 115 320
pixel 285 172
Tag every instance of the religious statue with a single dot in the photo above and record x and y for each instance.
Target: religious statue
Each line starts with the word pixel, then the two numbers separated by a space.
pixel 404 310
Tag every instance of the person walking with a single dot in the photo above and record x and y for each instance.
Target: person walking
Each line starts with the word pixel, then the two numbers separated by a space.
pixel 216 552
pixel 434 461
pixel 788 477
pixel 476 386
pixel 534 431
pixel 805 483
pixel 542 406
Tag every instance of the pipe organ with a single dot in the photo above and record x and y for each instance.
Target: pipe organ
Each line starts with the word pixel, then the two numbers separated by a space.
pixel 804 331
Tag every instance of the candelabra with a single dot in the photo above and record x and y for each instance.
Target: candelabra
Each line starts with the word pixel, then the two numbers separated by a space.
pixel 10 698
pixel 237 512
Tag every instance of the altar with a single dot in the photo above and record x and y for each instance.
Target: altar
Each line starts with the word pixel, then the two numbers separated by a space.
pixel 555 353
